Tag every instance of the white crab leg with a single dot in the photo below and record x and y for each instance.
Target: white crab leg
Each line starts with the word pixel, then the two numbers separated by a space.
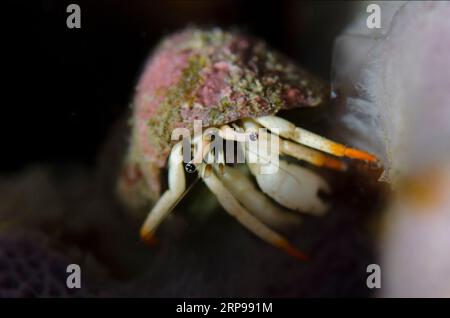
pixel 288 130
pixel 201 149
pixel 310 155
pixel 209 159
pixel 298 151
pixel 245 191
pixel 221 161
pixel 177 185
pixel 294 187
pixel 232 206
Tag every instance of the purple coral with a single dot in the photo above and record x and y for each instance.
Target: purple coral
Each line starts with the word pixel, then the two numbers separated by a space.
pixel 28 268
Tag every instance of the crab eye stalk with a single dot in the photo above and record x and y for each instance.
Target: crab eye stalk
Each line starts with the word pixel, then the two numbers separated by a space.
pixel 253 136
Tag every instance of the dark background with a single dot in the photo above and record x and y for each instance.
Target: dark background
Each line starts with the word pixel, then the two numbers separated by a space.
pixel 64 88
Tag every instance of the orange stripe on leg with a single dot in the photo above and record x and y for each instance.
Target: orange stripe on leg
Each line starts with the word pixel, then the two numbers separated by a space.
pixel 342 151
pixel 359 154
pixel 291 250
pixel 148 237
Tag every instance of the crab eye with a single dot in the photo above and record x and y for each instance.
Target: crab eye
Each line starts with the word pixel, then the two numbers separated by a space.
pixel 190 168
pixel 253 136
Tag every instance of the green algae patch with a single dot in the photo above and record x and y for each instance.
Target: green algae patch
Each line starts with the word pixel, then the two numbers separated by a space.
pixel 180 95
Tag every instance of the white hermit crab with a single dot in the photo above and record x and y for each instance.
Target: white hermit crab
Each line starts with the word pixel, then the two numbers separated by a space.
pixel 222 79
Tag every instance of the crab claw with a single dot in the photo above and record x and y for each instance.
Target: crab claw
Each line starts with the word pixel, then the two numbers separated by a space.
pixel 293 187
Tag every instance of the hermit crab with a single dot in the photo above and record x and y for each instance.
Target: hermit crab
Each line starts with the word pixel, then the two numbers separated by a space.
pixel 232 82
